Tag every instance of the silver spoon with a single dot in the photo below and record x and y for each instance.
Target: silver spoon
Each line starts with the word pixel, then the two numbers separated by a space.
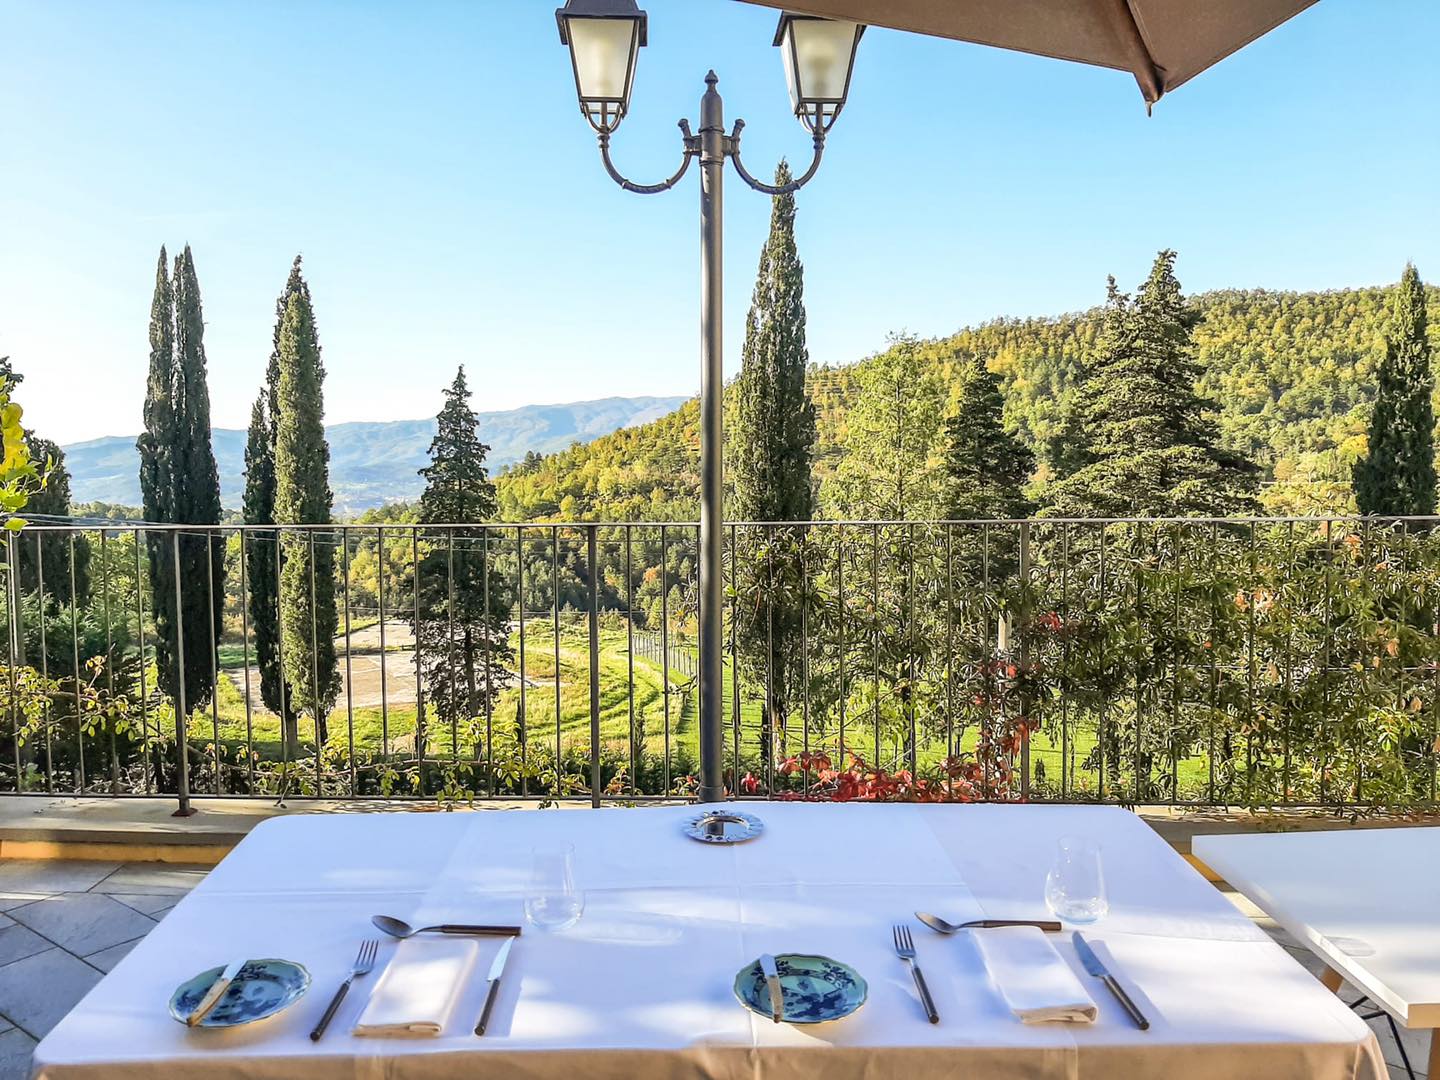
pixel 399 928
pixel 941 926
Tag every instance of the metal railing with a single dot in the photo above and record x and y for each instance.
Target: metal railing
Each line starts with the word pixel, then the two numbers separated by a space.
pixel 1278 662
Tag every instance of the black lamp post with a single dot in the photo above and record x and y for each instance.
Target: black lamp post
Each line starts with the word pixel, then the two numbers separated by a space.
pixel 605 37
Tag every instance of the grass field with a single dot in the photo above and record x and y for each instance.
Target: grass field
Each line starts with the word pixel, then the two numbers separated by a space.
pixel 664 731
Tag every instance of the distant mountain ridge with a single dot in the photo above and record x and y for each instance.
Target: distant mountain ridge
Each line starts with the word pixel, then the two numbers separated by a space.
pixel 372 463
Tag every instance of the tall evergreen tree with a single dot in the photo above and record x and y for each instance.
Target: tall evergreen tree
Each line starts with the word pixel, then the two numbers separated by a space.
pixel 1397 475
pixel 262 556
pixel 156 445
pixel 195 487
pixel 308 620
pixel 1147 442
pixel 262 549
pixel 463 630
pixel 772 433
pixel 771 441
pixel 986 467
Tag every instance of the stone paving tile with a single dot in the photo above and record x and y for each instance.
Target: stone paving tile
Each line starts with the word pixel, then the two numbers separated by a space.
pixel 38 878
pixel 18 942
pixel 152 904
pixel 106 959
pixel 83 923
pixel 38 991
pixel 151 878
pixel 15 1050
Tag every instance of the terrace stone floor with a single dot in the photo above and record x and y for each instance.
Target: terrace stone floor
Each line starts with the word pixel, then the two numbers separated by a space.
pixel 63 924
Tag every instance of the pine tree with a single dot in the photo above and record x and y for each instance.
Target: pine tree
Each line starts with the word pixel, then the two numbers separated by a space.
pixel 986 467
pixel 1397 475
pixel 771 441
pixel 262 549
pixel 308 620
pixel 463 631
pixel 1146 440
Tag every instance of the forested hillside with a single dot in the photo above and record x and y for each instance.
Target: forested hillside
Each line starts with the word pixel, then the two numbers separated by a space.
pixel 1293 374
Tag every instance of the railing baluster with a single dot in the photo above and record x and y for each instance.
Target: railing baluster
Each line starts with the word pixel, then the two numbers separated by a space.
pixel 422 731
pixel 214 658
pixel 144 664
pixel 520 611
pixel 109 662
pixel 380 567
pixel 665 647
pixel 182 713
pixel 734 662
pixel 44 664
pixel 349 667
pixel 245 646
pixel 489 684
pixel 555 630
pixel 75 668
pixel 450 649
pixel 592 562
pixel 14 638
pixel 636 754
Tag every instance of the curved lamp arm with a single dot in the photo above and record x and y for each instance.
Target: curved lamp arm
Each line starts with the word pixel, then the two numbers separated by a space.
pixel 692 147
pixel 775 189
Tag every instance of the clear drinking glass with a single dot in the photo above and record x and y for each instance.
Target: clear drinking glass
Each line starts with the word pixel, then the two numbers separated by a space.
pixel 1075 885
pixel 553 902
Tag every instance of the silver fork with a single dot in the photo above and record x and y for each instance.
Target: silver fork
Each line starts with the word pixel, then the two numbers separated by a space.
pixel 905 949
pixel 364 962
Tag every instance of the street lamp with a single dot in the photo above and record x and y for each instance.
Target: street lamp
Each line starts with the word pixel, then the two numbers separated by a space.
pixel 604 37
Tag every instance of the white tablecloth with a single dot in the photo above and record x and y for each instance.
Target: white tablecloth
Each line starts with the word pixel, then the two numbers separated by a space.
pixel 641 987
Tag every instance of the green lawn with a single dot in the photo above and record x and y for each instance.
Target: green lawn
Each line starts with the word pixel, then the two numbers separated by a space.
pixel 376 731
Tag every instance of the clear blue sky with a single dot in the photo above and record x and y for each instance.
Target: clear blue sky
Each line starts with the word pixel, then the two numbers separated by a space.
pixel 429 161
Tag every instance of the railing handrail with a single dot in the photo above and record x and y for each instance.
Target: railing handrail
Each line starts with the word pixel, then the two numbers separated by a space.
pixel 408 526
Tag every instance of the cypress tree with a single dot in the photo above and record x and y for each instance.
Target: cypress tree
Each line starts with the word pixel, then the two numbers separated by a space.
pixel 986 467
pixel 1397 475
pixel 772 434
pixel 463 632
pixel 195 485
pixel 262 550
pixel 1148 441
pixel 308 619
pixel 771 442
pixel 156 445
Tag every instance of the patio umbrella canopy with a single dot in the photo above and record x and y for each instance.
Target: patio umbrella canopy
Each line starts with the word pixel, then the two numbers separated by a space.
pixel 1163 43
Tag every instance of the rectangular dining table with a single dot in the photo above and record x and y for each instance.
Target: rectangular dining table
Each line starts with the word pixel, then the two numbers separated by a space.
pixel 1366 901
pixel 641 986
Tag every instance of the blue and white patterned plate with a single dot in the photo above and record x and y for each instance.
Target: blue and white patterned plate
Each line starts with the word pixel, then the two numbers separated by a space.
pixel 262 989
pixel 723 827
pixel 816 988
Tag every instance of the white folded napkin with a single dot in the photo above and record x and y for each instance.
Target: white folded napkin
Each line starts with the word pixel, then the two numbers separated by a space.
pixel 418 988
pixel 1033 978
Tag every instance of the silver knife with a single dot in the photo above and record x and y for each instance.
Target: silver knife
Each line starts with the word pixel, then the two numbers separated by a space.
pixel 497 966
pixel 215 993
pixel 772 980
pixel 1096 967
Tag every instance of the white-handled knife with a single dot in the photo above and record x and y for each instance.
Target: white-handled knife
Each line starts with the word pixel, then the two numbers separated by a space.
pixel 215 993
pixel 497 967
pixel 772 980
